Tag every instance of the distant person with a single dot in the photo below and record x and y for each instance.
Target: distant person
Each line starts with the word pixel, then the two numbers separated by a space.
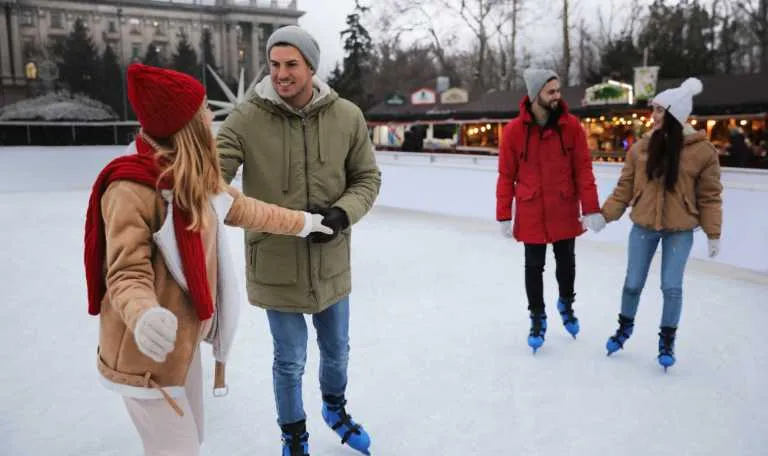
pixel 739 148
pixel 414 140
pixel 157 269
pixel 409 141
pixel 671 179
pixel 546 194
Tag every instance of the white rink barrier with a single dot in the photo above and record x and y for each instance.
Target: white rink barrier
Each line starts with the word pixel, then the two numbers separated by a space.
pixel 464 185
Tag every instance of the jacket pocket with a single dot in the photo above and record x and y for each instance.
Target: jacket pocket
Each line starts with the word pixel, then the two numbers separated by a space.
pixel 273 261
pixel 690 206
pixel 634 199
pixel 525 193
pixel 334 256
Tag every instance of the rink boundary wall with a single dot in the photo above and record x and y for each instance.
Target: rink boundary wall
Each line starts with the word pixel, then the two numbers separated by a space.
pixel 454 185
pixel 460 185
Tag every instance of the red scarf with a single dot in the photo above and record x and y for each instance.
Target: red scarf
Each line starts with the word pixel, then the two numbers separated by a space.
pixel 141 168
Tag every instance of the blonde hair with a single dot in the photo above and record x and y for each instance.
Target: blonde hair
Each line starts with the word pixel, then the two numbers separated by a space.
pixel 189 158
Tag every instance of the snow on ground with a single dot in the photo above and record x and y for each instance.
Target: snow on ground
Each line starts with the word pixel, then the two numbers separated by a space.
pixel 439 362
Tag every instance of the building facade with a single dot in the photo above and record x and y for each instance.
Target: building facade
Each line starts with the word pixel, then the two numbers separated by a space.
pixel 30 29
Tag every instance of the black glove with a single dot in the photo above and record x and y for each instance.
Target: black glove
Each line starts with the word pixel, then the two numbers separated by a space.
pixel 334 218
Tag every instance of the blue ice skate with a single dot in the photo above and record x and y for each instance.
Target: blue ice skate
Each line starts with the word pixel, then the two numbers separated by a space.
pixel 571 323
pixel 667 347
pixel 295 439
pixel 538 330
pixel 351 433
pixel 616 341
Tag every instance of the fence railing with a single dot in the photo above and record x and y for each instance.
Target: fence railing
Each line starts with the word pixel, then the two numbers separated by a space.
pixel 46 133
pixel 40 133
pixel 20 133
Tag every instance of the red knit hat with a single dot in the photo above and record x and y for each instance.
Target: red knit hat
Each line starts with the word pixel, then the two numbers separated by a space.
pixel 163 100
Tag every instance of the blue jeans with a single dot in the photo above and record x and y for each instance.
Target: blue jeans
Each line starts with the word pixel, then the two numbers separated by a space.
pixel 289 336
pixel 675 249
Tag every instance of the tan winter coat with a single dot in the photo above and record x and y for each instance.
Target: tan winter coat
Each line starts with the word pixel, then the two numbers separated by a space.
pixel 696 200
pixel 137 279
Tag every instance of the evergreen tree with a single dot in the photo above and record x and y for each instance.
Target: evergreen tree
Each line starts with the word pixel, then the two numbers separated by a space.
pixel 731 50
pixel 663 36
pixel 335 79
pixel 756 12
pixel 80 68
pixel 350 82
pixel 185 58
pixel 152 56
pixel 618 59
pixel 699 41
pixel 112 77
pixel 208 59
pixel 206 47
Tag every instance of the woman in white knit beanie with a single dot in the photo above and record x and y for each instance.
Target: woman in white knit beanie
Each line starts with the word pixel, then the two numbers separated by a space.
pixel 671 179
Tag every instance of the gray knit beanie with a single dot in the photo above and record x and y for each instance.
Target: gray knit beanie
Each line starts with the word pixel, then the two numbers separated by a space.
pixel 298 38
pixel 536 79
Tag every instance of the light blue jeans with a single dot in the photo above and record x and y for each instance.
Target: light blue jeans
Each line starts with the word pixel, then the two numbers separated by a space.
pixel 675 249
pixel 289 336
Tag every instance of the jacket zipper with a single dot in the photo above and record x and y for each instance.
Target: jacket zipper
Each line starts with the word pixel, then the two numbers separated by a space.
pixel 306 186
pixel 541 175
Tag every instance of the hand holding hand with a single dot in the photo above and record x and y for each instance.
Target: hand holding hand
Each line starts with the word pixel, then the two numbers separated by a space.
pixel 506 228
pixel 595 222
pixel 155 333
pixel 313 223
pixel 713 246
pixel 334 218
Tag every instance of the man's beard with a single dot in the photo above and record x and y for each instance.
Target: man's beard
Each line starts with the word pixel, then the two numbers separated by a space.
pixel 550 107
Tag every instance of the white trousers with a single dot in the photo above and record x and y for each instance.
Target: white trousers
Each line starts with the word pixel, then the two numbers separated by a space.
pixel 162 430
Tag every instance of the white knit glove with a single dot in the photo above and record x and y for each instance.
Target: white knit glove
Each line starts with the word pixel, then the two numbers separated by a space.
pixel 155 333
pixel 506 228
pixel 594 222
pixel 713 245
pixel 313 223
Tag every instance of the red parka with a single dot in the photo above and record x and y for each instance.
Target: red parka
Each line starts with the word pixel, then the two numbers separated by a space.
pixel 548 171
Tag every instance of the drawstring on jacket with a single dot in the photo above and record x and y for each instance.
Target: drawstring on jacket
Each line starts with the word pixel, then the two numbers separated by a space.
pixel 528 136
pixel 321 133
pixel 525 144
pixel 149 382
pixel 286 157
pixel 562 145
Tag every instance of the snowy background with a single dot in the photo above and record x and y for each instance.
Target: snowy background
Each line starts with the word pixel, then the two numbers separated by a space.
pixel 439 363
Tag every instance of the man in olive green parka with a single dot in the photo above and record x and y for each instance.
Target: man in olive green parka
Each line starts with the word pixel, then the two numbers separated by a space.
pixel 303 147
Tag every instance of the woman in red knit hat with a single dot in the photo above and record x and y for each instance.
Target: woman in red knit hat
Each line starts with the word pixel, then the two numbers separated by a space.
pixel 158 271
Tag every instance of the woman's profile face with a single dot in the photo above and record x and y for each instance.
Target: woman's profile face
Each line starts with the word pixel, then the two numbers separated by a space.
pixel 208 115
pixel 658 116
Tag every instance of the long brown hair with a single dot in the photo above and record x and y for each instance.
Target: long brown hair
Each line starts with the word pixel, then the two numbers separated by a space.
pixel 664 150
pixel 189 159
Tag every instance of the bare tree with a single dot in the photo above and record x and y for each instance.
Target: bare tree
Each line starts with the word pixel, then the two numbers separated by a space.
pixel 416 20
pixel 583 38
pixel 631 20
pixel 507 29
pixel 477 15
pixel 565 72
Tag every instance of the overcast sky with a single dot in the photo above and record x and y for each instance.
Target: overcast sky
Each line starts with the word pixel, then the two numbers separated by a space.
pixel 325 19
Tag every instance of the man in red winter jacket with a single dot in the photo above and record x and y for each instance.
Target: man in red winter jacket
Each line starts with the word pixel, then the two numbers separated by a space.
pixel 546 185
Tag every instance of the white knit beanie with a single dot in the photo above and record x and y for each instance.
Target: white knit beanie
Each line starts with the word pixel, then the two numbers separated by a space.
pixel 679 101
